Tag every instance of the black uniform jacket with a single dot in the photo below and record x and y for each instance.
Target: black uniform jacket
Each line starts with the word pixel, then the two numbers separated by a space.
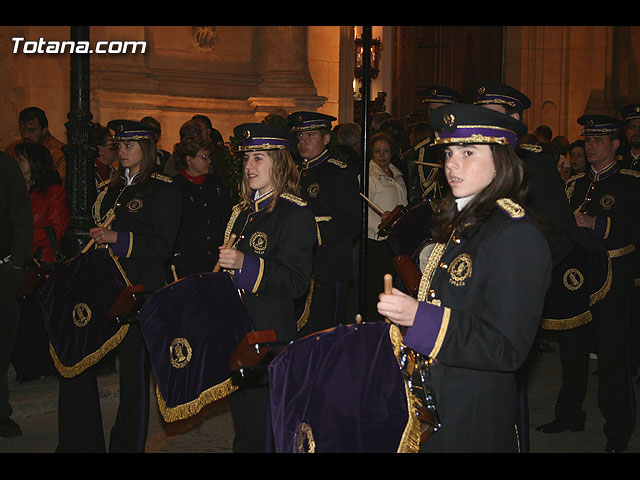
pixel 331 189
pixel 547 200
pixel 206 208
pixel 147 219
pixel 612 196
pixel 480 304
pixel 278 257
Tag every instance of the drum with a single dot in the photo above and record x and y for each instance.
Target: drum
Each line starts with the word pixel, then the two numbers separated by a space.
pixel 409 231
pixel 343 390
pixel 578 282
pixel 75 301
pixel 192 328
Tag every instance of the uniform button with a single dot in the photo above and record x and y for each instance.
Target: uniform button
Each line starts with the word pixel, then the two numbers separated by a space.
pixel 455 239
pixel 443 265
pixel 204 204
pixel 432 293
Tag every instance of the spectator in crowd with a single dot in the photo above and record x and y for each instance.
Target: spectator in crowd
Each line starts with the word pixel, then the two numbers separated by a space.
pixel 31 358
pixel 34 127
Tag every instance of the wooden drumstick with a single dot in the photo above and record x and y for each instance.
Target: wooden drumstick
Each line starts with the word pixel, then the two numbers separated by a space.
pixel 92 241
pixel 436 165
pixel 388 285
pixel 232 238
pixel 175 274
pixel 375 207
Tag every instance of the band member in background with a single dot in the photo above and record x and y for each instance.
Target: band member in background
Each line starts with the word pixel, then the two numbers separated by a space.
pixel 271 262
pixel 605 201
pixel 482 291
pixel 147 213
pixel 330 187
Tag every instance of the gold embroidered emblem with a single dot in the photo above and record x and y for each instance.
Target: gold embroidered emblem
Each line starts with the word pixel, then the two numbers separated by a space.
pixel 449 119
pixel 81 314
pixel 460 269
pixel 134 205
pixel 303 439
pixel 607 202
pixel 258 242
pixel 573 279
pixel 180 352
pixel 313 190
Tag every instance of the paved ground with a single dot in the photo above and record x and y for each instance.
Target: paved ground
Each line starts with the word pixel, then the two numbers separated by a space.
pixel 211 431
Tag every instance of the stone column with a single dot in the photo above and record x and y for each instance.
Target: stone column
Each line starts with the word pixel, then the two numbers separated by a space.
pixel 286 80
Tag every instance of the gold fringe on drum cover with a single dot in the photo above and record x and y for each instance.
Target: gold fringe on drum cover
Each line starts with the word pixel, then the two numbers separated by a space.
pixel 210 395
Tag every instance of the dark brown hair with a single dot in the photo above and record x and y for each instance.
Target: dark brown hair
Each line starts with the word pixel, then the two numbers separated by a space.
pixel 149 152
pixel 510 182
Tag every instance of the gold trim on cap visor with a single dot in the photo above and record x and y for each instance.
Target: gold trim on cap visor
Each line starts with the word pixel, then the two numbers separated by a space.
pixel 475 138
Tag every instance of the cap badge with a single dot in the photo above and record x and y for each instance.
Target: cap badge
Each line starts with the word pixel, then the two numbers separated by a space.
pixel 449 120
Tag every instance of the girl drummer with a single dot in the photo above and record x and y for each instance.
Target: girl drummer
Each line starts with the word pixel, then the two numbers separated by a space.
pixel 271 262
pixel 483 287
pixel 147 213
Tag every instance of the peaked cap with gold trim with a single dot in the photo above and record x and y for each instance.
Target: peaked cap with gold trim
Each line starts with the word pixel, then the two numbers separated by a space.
pixel 497 93
pixel 595 125
pixel 133 131
pixel 631 112
pixel 258 136
pixel 470 124
pixel 442 94
pixel 305 121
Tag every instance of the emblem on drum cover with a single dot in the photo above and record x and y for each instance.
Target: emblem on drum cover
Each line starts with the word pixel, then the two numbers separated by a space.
pixel 607 202
pixel 81 314
pixel 134 205
pixel 573 279
pixel 313 190
pixel 180 352
pixel 258 242
pixel 460 270
pixel 303 438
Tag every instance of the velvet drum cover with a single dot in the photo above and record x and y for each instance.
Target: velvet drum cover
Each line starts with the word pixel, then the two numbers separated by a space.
pixel 75 300
pixel 191 328
pixel 341 390
pixel 582 279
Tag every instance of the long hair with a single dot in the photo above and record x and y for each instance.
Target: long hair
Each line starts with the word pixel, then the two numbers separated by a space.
pixel 147 165
pixel 511 181
pixel 285 178
pixel 43 173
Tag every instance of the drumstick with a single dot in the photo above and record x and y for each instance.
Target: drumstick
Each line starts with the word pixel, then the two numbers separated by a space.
pixel 388 285
pixel 175 275
pixel 437 165
pixel 92 241
pixel 375 207
pixel 232 238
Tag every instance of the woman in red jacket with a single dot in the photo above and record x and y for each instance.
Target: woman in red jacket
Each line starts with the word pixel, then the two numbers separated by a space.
pixel 31 358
